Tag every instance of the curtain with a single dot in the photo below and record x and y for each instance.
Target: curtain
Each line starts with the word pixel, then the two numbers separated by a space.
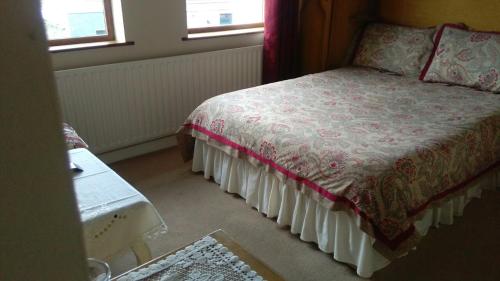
pixel 281 40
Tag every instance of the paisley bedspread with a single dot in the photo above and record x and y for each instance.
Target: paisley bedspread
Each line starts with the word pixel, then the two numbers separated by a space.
pixel 384 146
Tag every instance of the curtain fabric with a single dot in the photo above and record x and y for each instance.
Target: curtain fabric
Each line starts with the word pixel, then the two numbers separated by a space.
pixel 281 40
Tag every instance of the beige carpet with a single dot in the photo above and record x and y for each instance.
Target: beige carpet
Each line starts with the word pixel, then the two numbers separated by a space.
pixel 193 207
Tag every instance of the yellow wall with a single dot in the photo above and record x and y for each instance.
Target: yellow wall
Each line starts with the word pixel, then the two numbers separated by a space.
pixel 477 14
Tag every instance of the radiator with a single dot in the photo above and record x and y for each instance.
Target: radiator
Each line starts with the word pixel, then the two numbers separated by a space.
pixel 119 105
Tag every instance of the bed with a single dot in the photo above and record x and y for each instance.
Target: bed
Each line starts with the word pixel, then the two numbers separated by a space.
pixel 363 160
pixel 393 154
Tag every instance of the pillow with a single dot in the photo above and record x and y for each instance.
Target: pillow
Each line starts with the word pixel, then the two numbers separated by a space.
pixel 71 138
pixel 399 49
pixel 465 58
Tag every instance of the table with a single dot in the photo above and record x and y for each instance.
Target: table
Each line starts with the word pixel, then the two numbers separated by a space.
pixel 224 239
pixel 115 216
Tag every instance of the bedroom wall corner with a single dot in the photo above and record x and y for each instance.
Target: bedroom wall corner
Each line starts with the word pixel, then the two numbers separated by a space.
pixel 349 19
pixel 315 27
pixel 328 29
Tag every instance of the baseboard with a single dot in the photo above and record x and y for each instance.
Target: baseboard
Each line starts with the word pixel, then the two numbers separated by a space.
pixel 137 150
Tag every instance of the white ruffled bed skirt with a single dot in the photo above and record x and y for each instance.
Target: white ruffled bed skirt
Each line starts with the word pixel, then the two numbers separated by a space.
pixel 334 232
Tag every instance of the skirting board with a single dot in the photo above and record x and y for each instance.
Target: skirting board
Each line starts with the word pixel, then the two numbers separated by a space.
pixel 137 150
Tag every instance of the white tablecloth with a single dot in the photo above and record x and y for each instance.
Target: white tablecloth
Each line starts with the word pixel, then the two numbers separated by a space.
pixel 115 215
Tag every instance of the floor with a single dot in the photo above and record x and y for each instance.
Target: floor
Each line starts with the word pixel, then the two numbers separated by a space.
pixel 193 207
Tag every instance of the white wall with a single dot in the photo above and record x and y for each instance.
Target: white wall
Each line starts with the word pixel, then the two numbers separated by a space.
pixel 40 230
pixel 157 28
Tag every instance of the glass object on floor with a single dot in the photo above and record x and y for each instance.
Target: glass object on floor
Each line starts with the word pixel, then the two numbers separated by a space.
pixel 98 270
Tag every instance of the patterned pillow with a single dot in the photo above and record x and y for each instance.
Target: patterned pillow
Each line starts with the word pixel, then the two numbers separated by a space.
pixel 72 139
pixel 465 58
pixel 399 49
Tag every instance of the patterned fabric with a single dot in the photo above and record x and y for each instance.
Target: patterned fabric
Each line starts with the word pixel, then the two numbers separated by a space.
pixel 205 260
pixel 465 58
pixel 398 49
pixel 384 146
pixel 72 139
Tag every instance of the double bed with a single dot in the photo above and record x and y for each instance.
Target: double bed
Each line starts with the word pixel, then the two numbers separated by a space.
pixel 363 160
pixel 360 161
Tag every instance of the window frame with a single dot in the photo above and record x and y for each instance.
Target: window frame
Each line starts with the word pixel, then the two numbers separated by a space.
pixel 110 27
pixel 229 27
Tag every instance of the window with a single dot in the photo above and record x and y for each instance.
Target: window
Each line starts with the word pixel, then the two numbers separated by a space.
pixel 77 21
pixel 222 15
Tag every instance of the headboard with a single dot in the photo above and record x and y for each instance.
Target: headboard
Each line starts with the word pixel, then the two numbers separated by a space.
pixel 478 14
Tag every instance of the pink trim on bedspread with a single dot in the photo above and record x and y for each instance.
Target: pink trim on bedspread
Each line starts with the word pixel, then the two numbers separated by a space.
pixel 279 168
pixel 437 39
pixel 391 243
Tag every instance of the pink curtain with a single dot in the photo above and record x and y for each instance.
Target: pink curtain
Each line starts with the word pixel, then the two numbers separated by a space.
pixel 281 40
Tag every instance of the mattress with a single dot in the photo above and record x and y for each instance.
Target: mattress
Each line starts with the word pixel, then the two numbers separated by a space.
pixel 383 147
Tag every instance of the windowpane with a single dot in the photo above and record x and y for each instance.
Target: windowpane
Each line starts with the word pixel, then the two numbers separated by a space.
pixel 67 19
pixel 207 13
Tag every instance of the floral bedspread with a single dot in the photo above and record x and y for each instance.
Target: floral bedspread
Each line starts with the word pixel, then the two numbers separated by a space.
pixel 382 145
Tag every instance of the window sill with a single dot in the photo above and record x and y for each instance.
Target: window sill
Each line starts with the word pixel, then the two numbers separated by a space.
pixel 195 36
pixel 88 46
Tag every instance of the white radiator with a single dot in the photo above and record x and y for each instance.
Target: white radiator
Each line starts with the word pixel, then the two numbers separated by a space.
pixel 118 105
